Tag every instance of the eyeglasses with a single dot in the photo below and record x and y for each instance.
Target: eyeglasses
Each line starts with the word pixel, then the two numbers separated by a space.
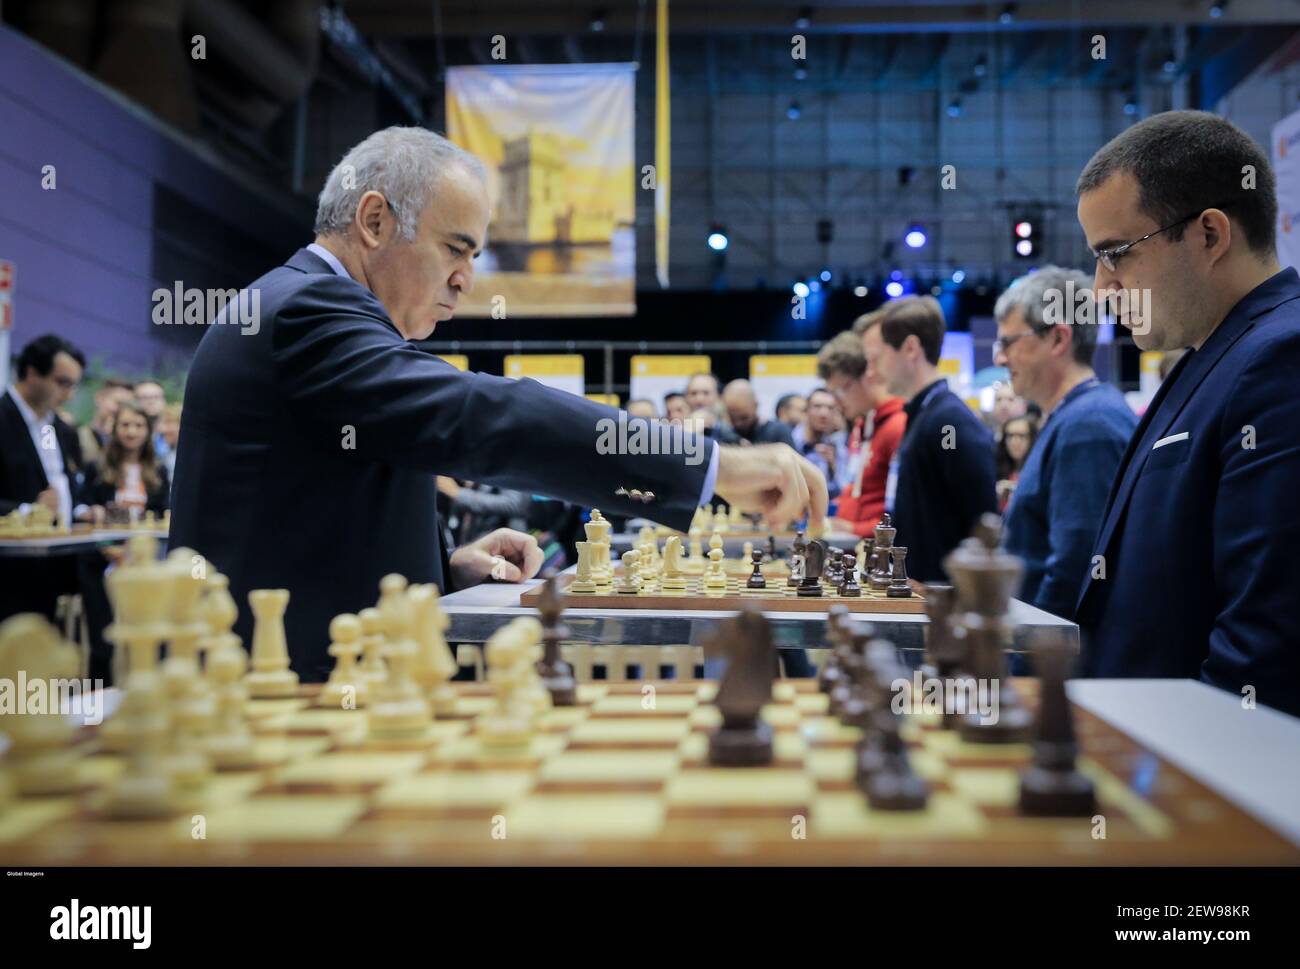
pixel 1003 345
pixel 1109 257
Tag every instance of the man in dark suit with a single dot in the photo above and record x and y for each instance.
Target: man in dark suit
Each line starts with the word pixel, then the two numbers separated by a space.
pixel 1196 571
pixel 40 464
pixel 312 436
pixel 942 477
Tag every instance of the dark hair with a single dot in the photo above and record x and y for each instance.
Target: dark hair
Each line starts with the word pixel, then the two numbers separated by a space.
pixel 842 354
pixel 40 353
pixel 1006 465
pixel 671 394
pixel 115 455
pixel 784 402
pixel 867 320
pixel 1185 162
pixel 918 316
pixel 113 383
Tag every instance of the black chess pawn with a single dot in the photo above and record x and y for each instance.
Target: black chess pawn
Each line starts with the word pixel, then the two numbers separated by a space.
pixel 898 586
pixel 744 739
pixel 849 588
pixel 756 579
pixel 833 566
pixel 1052 786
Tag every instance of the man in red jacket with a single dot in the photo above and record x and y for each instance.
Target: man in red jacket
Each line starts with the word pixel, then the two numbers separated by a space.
pixel 843 366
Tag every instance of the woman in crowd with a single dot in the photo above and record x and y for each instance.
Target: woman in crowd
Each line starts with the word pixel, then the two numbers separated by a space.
pixel 1018 436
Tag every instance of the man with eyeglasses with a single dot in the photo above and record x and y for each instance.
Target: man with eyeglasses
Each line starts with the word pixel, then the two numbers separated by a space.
pixel 1195 571
pixel 1047 345
pixel 40 464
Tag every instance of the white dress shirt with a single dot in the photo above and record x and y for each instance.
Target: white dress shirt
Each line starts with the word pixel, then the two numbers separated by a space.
pixel 46 442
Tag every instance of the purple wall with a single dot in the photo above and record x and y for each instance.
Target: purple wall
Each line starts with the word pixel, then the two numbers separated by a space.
pixel 88 252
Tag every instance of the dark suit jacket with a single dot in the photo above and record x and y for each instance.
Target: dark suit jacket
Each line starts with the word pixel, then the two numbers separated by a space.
pixel 1201 540
pixel 309 450
pixel 946 480
pixel 22 476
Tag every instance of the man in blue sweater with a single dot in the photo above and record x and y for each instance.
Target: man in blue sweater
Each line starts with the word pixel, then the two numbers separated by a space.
pixel 1047 333
pixel 943 476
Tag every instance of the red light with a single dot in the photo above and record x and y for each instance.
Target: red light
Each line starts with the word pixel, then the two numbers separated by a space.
pixel 1024 230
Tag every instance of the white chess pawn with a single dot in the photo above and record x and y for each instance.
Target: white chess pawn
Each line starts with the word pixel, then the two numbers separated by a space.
pixel 346 688
pixel 43 757
pixel 399 709
pixel 509 722
pixel 629 583
pixel 373 670
pixel 715 575
pixel 271 676
pixel 435 665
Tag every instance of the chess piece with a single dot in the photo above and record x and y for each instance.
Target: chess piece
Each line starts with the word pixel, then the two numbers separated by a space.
pixel 744 739
pixel 985 577
pixel 772 555
pixel 715 575
pixel 373 671
pixel 721 523
pixel 346 688
pixel 796 561
pixel 230 742
pixel 399 709
pixel 533 692
pixel 696 547
pixel 582 583
pixel 434 664
pixel 898 585
pixel 673 579
pixel 814 562
pixel 1052 785
pixel 271 676
pixel 893 786
pixel 141 592
pixel 945 643
pixel 648 566
pixel 882 541
pixel 629 583
pixel 756 580
pixel 43 756
pixel 849 588
pixel 597 531
pixel 509 722
pixel 838 636
pixel 193 708
pixel 556 673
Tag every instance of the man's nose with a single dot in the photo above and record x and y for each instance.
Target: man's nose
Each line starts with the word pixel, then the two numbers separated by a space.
pixel 999 357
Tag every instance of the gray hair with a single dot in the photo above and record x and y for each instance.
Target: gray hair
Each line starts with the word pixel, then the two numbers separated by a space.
pixel 1032 294
pixel 404 165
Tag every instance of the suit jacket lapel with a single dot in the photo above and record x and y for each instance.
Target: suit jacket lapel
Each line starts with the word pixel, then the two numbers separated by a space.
pixel 24 439
pixel 1179 386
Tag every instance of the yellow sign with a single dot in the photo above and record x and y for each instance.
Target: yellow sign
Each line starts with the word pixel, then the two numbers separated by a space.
pixel 783 365
pixel 457 360
pixel 611 399
pixel 669 366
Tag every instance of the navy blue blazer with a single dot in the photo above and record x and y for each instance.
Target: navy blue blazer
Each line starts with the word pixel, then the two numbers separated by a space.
pixel 1200 538
pixel 308 452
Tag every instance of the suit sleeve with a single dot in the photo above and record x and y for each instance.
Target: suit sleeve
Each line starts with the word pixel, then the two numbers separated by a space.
pixel 1082 468
pixel 352 382
pixel 1257 532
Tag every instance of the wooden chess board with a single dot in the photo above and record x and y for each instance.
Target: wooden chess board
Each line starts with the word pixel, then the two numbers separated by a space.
pixel 777 597
pixel 612 781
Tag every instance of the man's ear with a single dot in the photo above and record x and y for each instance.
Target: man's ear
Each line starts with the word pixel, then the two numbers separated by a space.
pixel 1218 233
pixel 371 218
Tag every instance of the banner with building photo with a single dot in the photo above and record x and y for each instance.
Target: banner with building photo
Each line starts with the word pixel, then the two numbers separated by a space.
pixel 1286 170
pixel 558 141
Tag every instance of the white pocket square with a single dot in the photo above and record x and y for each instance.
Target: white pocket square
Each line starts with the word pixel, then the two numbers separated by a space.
pixel 1171 439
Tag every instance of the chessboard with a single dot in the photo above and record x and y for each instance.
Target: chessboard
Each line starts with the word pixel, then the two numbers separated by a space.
pixel 777 597
pixel 623 778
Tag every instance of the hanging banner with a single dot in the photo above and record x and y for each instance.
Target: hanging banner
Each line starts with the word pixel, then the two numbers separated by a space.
pixel 1286 170
pixel 663 145
pixel 558 143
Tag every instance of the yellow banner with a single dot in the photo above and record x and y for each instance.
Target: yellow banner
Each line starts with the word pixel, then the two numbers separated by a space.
pixel 457 360
pixel 541 365
pixel 611 399
pixel 663 148
pixel 783 365
pixel 655 365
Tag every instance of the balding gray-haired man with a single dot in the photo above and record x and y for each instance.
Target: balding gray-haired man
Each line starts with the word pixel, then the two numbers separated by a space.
pixel 311 441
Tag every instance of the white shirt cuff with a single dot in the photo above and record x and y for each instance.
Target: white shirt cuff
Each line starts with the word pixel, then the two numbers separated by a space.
pixel 711 479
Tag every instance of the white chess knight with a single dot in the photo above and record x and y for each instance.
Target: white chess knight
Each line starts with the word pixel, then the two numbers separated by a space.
pixel 270 676
pixel 399 709
pixel 435 666
pixel 674 578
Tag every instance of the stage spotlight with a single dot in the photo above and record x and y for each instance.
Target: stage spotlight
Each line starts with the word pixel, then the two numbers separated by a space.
pixel 804 20
pixel 826 275
pixel 981 66
pixel 1216 9
pixel 598 21
pixel 958 276
pixel 915 237
pixel 860 291
pixel 894 288
pixel 801 73
pixel 718 239
pixel 1008 14
pixel 954 108
pixel 1130 103
pixel 800 289
pixel 1024 248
